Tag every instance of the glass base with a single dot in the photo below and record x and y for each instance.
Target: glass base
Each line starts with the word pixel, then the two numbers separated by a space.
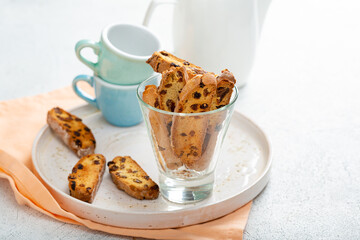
pixel 186 191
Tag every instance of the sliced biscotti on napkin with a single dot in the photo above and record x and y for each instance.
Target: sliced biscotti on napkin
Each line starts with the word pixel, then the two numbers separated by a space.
pixel 72 131
pixel 86 176
pixel 131 178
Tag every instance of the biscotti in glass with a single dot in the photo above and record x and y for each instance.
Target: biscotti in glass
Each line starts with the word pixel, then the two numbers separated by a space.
pixel 186 145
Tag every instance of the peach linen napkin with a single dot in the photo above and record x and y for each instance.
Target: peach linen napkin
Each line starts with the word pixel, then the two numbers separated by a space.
pixel 20 121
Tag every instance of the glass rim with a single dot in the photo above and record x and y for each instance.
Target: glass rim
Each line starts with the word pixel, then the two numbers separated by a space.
pixel 231 103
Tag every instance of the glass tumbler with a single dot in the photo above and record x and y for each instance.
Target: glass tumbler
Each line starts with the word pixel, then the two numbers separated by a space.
pixel 186 146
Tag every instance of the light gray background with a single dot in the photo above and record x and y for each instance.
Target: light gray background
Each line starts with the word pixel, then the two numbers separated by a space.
pixel 304 92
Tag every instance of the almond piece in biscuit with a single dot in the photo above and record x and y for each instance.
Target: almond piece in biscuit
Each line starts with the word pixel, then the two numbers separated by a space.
pixel 86 177
pixel 73 132
pixel 131 178
pixel 188 133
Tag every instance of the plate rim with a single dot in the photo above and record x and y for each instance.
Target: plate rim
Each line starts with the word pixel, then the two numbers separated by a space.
pixel 265 171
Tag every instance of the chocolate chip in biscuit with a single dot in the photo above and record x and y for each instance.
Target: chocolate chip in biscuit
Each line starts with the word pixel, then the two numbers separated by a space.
pixel 137 180
pixel 194 107
pixel 174 65
pixel 57 110
pixel 222 91
pixel 157 67
pixel 180 76
pixel 113 168
pixel 204 106
pixel 73 185
pixel 168 127
pixel 197 95
pixel 170 104
pixel 206 92
pixel 78 142
pixel 156 104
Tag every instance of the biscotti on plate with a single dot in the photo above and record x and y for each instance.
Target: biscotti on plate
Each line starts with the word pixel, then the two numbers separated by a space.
pixel 72 131
pixel 86 176
pixel 131 178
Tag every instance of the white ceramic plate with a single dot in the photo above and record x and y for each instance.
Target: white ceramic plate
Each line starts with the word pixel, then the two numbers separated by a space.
pixel 241 174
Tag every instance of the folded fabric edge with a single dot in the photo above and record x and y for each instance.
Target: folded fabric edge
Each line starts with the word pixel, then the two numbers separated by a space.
pixel 175 233
pixel 21 199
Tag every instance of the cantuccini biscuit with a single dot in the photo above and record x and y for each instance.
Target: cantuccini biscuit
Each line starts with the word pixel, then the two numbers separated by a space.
pixel 86 176
pixel 225 84
pixel 160 125
pixel 171 84
pixel 131 178
pixel 188 133
pixel 73 132
pixel 163 61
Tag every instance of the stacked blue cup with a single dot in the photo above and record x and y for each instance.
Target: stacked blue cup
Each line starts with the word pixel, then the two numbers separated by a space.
pixel 121 66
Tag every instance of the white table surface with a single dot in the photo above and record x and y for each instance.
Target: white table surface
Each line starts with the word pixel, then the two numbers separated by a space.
pixel 304 92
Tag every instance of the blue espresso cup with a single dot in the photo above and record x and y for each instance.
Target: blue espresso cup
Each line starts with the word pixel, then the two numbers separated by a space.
pixel 118 104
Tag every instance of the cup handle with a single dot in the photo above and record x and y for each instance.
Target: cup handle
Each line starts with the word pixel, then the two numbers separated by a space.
pixel 83 44
pixel 154 4
pixel 81 93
